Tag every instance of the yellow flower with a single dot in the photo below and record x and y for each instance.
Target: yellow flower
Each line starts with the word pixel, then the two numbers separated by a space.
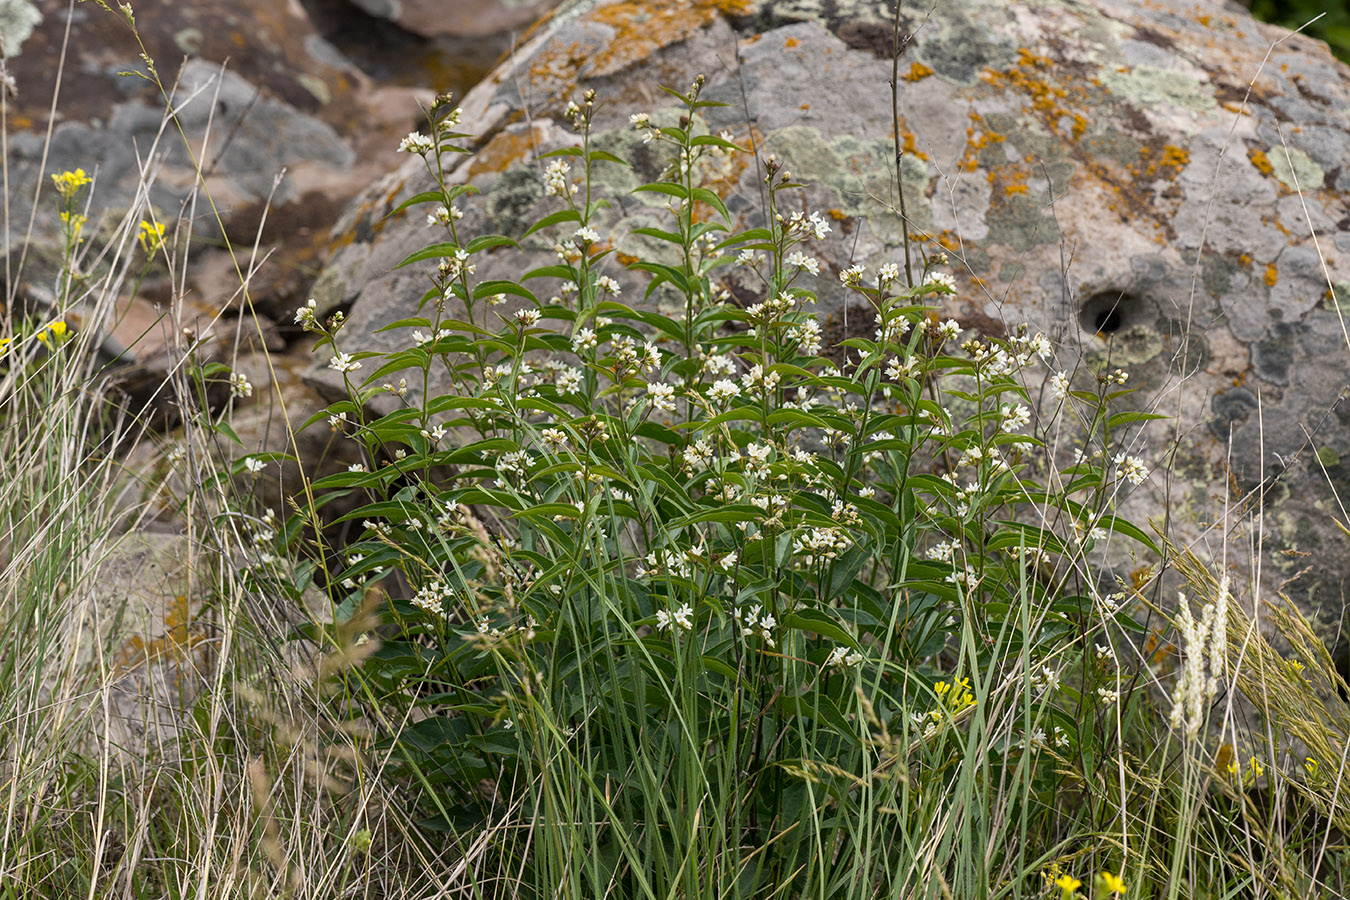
pixel 74 220
pixel 1257 771
pixel 68 184
pixel 53 331
pixel 1312 766
pixel 1112 884
pixel 1068 884
pixel 151 236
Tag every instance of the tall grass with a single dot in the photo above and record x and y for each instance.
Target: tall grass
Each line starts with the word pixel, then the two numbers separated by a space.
pixel 626 618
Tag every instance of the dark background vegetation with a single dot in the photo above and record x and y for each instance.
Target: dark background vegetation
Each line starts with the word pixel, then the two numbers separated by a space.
pixel 1334 27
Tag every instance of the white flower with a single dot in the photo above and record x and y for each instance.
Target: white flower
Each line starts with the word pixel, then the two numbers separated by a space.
pixel 444 215
pixel 662 396
pixel 1059 385
pixel 356 467
pixel 306 316
pixel 886 274
pixel 586 235
pixel 583 340
pixel 800 260
pixel 684 617
pixel 527 318
pixel 555 180
pixel 942 279
pixel 949 330
pixel 723 391
pixel 416 142
pixel 337 421
pixel 239 385
pixel 851 277
pixel 254 465
pixel 432 598
pixel 1015 417
pixel 807 336
pixel 1132 468
pixel 819 545
pixel 640 120
pixel 842 658
pixel 343 362
pixel 1107 695
pixel 605 283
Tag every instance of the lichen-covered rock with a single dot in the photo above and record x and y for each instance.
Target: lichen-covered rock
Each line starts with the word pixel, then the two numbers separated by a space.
pixel 258 91
pixel 1159 184
pixel 463 18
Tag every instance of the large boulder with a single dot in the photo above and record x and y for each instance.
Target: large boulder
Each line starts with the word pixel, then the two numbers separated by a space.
pixel 1158 184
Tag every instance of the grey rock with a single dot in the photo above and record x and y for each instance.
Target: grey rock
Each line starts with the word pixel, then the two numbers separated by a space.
pixel 1117 135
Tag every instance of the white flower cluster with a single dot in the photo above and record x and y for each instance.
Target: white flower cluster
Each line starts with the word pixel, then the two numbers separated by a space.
pixel 416 142
pixel 807 335
pixel 772 309
pixel 433 597
pixel 799 260
pixel 661 396
pixel 667 561
pixel 757 623
pixel 444 215
pixel 683 618
pixel 842 658
pixel 943 280
pixel 812 225
pixel 555 180
pixel 819 545
pixel 1206 643
pixel 240 386
pixel 1044 680
pixel 1132 468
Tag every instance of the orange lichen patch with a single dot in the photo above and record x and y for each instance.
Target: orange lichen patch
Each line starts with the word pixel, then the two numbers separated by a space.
pixel 837 214
pixel 1261 161
pixel 238 39
pixel 792 42
pixel 179 637
pixel 504 150
pixel 1204 20
pixel 1080 124
pixel 917 72
pixel 626 259
pixel 642 28
pixel 1271 275
pixel 976 142
pixel 1245 259
pixel 947 240
pixel 909 146
pixel 1171 157
pixel 1015 189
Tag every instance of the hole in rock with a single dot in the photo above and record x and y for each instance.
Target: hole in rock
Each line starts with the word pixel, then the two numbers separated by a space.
pixel 1108 312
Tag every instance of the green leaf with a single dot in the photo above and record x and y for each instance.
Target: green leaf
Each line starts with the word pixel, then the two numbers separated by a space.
pixel 488 241
pixel 609 157
pixel 434 251
pixel 706 196
pixel 664 187
pixel 820 623
pixel 562 215
pixel 492 288
pixel 435 196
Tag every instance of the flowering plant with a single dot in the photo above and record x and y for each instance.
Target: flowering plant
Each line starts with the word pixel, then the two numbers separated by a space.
pixel 685 579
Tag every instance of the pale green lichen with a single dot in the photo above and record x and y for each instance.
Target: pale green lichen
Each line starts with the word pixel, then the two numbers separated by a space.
pixel 1149 85
pixel 1304 174
pixel 18 18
